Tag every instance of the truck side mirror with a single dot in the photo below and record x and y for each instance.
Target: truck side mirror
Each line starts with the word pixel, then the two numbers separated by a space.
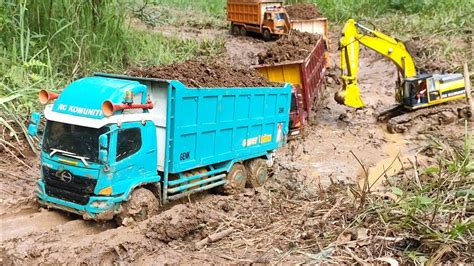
pixel 104 141
pixel 34 123
pixel 103 146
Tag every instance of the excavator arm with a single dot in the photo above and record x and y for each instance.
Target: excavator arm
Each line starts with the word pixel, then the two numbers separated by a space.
pixel 354 34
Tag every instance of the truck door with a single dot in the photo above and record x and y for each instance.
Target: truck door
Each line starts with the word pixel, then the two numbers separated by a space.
pixel 135 157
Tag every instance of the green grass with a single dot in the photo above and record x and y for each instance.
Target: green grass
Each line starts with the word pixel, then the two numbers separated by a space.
pixel 197 14
pixel 47 43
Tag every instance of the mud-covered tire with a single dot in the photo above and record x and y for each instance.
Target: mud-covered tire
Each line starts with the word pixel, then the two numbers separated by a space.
pixel 243 31
pixel 236 180
pixel 267 36
pixel 257 173
pixel 235 30
pixel 141 205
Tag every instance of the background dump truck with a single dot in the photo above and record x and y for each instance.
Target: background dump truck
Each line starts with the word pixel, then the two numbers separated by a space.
pixel 133 142
pixel 267 17
pixel 307 77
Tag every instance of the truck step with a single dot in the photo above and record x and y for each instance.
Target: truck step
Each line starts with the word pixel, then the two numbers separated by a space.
pixel 184 190
pixel 197 183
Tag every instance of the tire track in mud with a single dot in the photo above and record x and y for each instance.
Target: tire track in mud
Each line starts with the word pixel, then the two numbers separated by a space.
pixel 30 236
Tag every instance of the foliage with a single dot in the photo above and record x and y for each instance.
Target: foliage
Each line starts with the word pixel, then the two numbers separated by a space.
pixel 46 44
pixel 429 209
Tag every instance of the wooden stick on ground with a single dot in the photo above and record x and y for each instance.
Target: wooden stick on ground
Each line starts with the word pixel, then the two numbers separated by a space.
pixel 214 237
pixel 467 85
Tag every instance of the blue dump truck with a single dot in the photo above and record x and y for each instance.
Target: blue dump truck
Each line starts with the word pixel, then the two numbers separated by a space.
pixel 119 147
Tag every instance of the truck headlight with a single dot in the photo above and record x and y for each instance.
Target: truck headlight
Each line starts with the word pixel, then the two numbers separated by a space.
pixel 105 191
pixel 99 204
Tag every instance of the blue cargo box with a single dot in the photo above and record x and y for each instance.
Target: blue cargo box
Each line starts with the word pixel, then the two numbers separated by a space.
pixel 215 125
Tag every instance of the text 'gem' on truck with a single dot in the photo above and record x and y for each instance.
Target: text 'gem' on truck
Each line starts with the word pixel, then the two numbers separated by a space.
pixel 118 146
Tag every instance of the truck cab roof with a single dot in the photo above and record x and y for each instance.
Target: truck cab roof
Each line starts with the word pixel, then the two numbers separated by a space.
pixel 84 97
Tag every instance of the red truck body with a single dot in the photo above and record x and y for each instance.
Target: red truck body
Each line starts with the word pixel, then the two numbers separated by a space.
pixel 307 77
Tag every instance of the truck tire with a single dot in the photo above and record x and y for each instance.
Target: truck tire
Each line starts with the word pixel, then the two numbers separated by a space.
pixel 235 30
pixel 141 205
pixel 236 180
pixel 258 173
pixel 243 31
pixel 267 36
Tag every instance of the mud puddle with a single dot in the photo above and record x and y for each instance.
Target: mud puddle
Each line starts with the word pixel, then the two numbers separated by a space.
pixel 388 167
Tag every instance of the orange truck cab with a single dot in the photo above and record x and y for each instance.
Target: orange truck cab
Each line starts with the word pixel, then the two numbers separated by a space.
pixel 267 17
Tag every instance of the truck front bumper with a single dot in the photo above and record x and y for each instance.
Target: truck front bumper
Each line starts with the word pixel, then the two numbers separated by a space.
pixel 98 208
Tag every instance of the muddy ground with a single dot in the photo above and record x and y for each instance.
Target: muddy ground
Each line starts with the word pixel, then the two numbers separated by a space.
pixel 300 216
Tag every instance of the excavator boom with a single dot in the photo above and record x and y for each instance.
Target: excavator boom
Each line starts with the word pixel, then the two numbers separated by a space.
pixel 353 35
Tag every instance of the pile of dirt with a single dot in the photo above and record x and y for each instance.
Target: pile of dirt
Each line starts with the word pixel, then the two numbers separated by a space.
pixel 292 47
pixel 303 11
pixel 196 74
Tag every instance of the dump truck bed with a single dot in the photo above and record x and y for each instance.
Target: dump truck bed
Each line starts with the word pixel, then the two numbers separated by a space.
pixel 249 11
pixel 307 73
pixel 316 26
pixel 198 127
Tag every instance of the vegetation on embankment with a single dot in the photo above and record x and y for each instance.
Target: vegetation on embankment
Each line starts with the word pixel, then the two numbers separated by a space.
pixel 46 44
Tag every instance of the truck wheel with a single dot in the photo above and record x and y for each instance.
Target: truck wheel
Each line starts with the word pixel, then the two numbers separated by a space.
pixel 236 179
pixel 235 30
pixel 258 172
pixel 267 36
pixel 141 206
pixel 243 31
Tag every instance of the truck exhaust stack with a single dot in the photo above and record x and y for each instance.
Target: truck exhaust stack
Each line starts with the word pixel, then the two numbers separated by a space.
pixel 109 108
pixel 46 96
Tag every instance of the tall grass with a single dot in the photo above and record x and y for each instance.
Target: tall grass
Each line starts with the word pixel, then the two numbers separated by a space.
pixel 44 44
pixel 196 14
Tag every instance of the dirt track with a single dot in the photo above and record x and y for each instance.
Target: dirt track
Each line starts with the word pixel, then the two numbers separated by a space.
pixel 286 222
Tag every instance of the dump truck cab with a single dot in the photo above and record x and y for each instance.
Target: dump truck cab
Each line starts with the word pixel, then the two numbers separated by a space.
pixel 275 19
pixel 266 17
pixel 88 159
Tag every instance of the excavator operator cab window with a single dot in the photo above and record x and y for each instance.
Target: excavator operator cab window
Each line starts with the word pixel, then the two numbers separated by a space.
pixel 416 92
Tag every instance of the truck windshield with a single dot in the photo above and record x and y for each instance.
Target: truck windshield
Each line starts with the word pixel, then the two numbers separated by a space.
pixel 82 141
pixel 279 16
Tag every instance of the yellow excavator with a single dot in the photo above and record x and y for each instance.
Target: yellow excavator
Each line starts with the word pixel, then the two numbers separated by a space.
pixel 413 91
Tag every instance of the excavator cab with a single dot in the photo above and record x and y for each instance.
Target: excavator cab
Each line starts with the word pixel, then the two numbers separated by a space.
pixel 429 89
pixel 415 93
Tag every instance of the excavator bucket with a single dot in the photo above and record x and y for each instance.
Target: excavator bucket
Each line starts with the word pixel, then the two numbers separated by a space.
pixel 350 96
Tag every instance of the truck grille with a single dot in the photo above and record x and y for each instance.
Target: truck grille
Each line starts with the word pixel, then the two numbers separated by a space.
pixel 67 186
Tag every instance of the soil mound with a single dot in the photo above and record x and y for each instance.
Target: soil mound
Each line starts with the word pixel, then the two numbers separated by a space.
pixel 292 47
pixel 303 11
pixel 195 74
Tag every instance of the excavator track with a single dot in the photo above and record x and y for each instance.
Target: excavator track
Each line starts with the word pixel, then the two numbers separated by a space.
pixel 399 120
